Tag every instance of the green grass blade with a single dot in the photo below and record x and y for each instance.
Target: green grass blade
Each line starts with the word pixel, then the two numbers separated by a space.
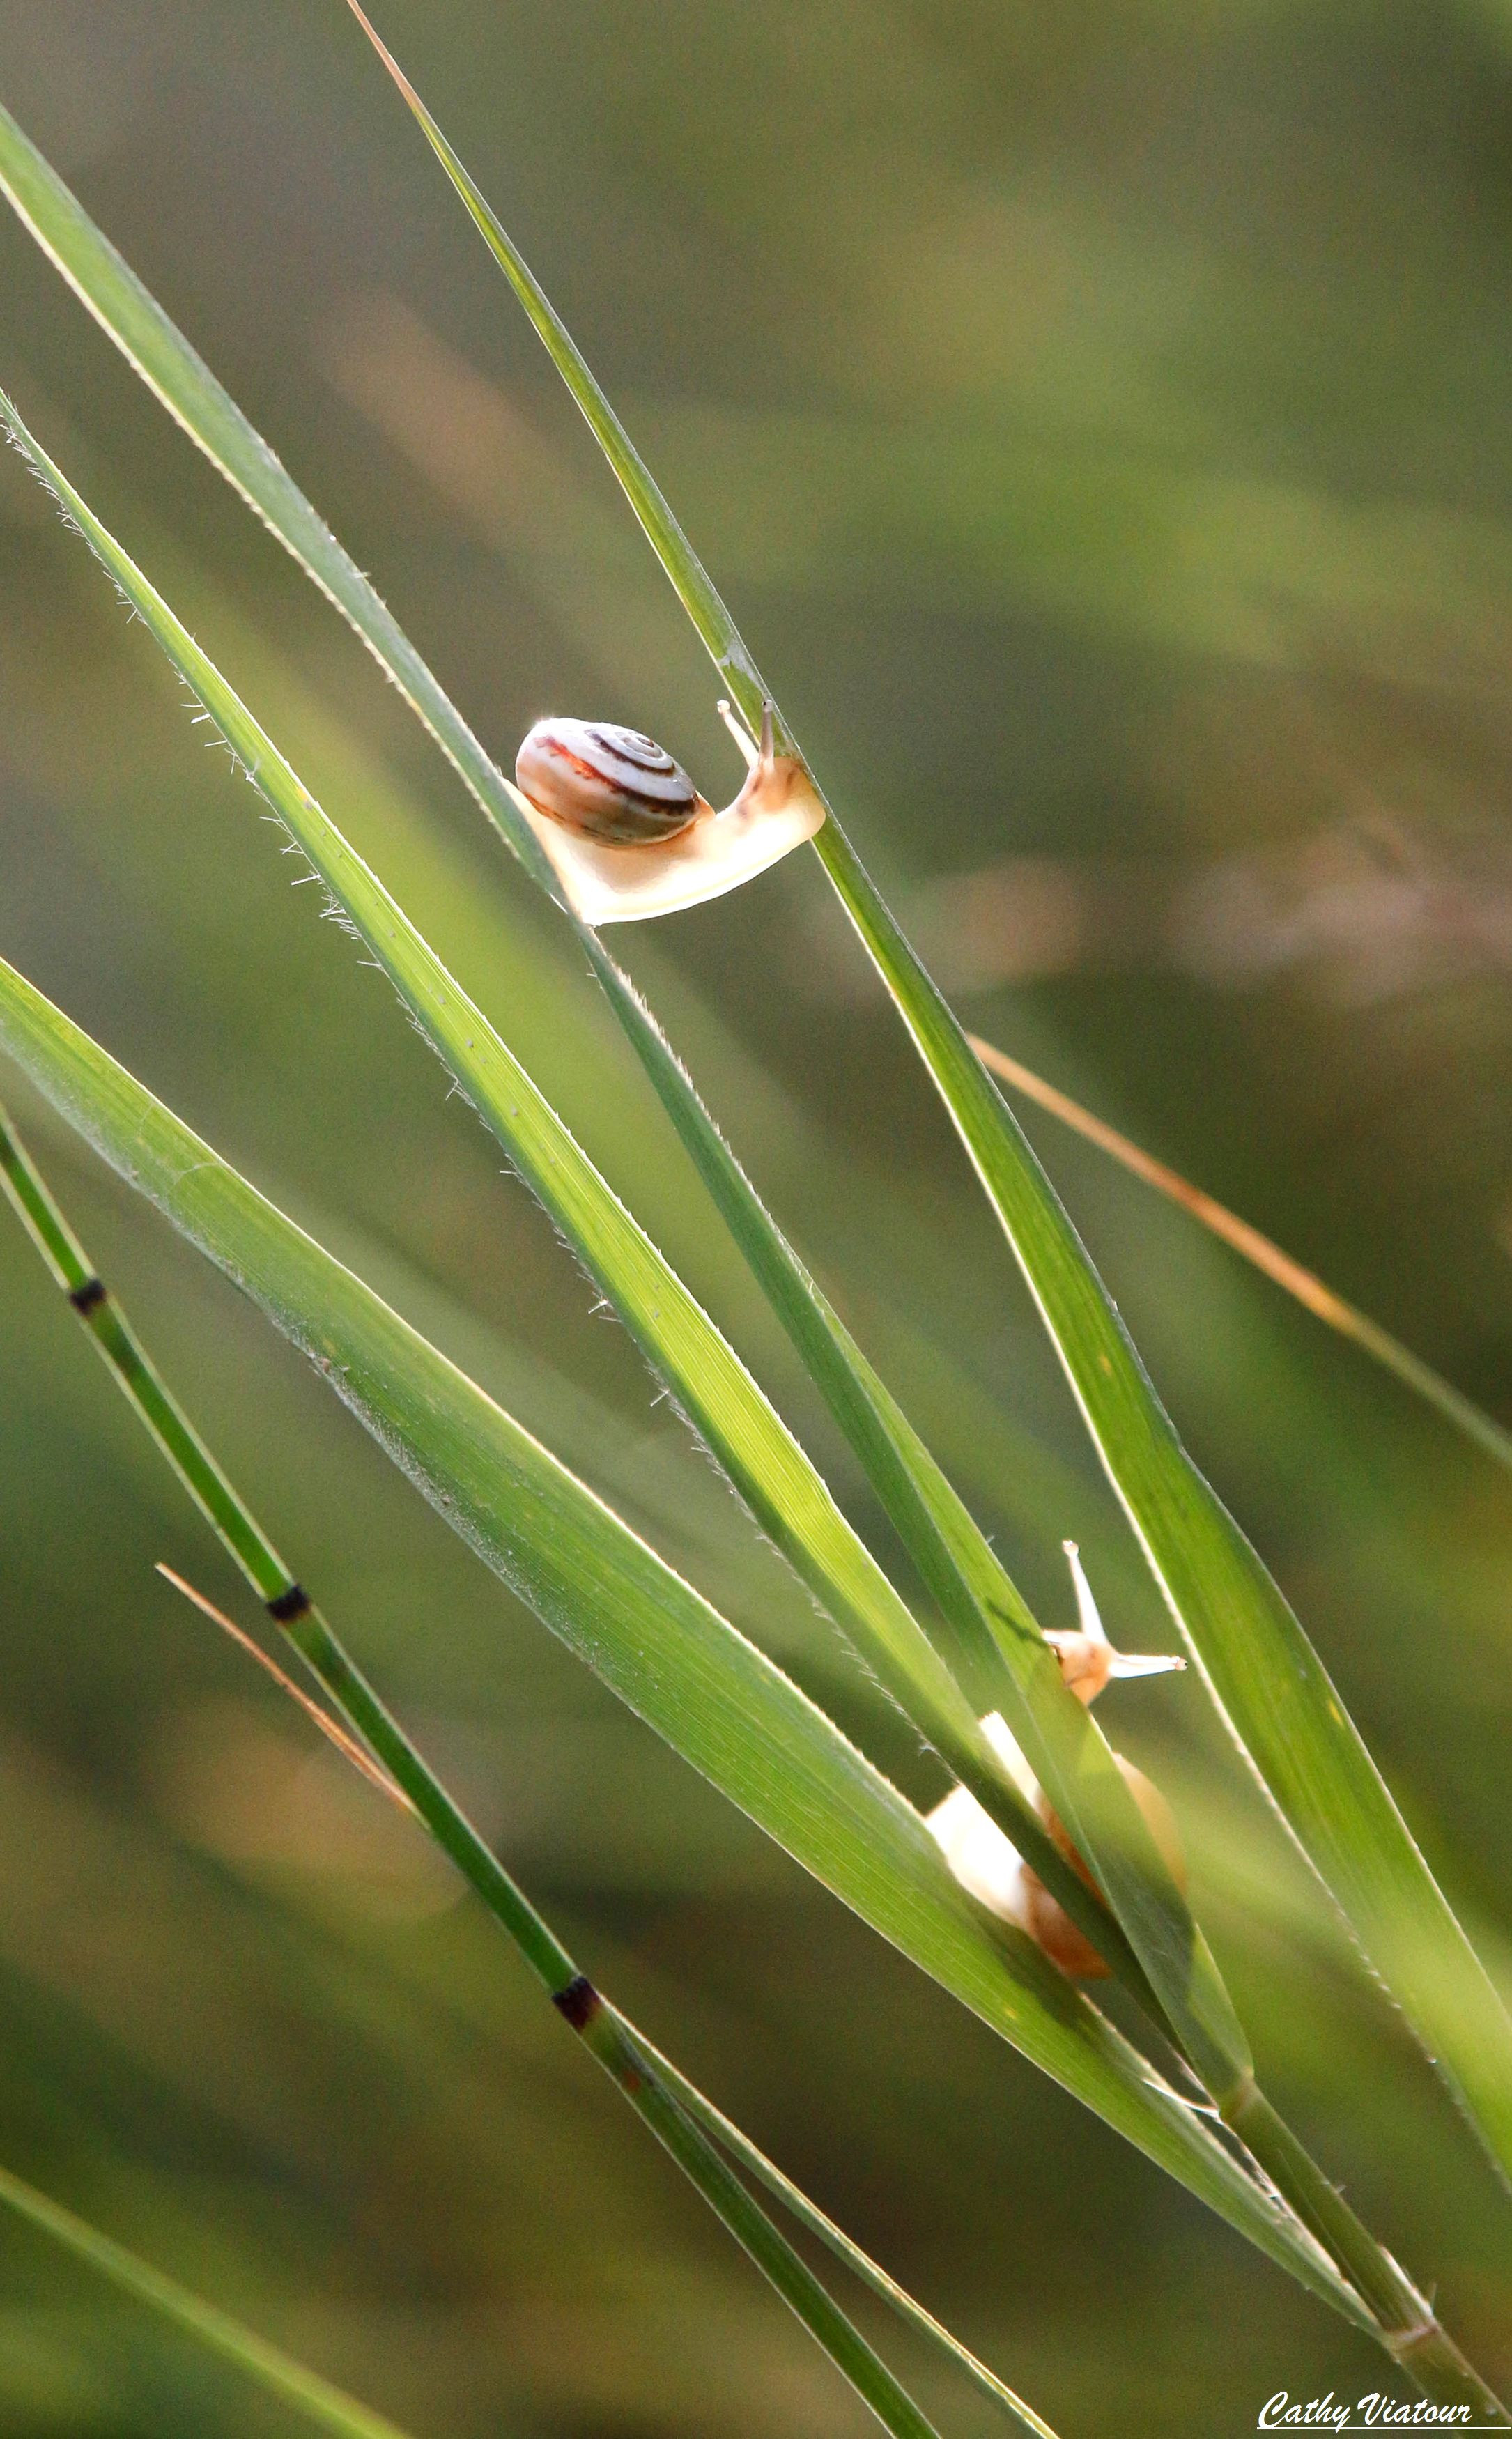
pixel 998 1649
pixel 1067 1749
pixel 717 1700
pixel 320 2400
pixel 186 377
pixel 760 1456
pixel 403 1771
pixel 178 377
pixel 1161 1950
pixel 425 1797
pixel 1323 1782
pixel 1267 1681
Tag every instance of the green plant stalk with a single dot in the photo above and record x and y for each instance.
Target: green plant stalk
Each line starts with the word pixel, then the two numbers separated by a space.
pixel 1269 1685
pixel 655 1642
pixel 620 2048
pixel 183 384
pixel 384 926
pixel 1409 2329
pixel 998 1649
pixel 309 1632
pixel 268 2365
pixel 940 1524
pixel 999 1644
pixel 1149 1934
pixel 761 1458
pixel 272 485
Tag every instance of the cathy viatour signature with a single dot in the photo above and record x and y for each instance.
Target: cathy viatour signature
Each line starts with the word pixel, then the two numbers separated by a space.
pixel 1372 2411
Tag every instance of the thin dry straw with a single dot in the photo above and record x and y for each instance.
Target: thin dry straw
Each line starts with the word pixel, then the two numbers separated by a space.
pixel 1266 1256
pixel 672 2106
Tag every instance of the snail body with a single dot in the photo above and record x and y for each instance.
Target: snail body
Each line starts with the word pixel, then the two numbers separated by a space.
pixel 629 835
pixel 990 1865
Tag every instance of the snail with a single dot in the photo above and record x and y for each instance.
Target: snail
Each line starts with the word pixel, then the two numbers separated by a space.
pixel 629 835
pixel 989 1866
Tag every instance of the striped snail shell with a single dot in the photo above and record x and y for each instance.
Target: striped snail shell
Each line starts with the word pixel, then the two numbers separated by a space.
pixel 607 782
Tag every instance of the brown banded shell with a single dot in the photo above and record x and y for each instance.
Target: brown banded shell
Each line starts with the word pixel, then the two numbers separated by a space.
pixel 609 783
pixel 1047 1921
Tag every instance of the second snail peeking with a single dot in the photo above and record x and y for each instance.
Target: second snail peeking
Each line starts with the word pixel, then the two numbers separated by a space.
pixel 627 835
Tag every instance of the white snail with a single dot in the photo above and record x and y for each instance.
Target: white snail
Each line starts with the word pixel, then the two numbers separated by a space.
pixel 627 835
pixel 990 1865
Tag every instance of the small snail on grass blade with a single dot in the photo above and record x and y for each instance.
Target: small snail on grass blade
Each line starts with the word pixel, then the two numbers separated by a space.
pixel 990 1865
pixel 627 835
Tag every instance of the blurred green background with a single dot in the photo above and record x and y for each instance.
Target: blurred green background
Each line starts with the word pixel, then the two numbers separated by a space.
pixel 1101 419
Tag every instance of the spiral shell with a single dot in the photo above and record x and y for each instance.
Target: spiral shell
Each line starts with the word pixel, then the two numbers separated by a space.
pixel 606 782
pixel 1047 1921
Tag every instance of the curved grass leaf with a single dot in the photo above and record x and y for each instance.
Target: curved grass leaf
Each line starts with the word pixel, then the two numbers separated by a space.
pixel 717 1700
pixel 458 1030
pixel 758 1452
pixel 1405 2324
pixel 387 1759
pixel 1152 1939
pixel 1267 1682
pixel 319 2399
pixel 1372 2269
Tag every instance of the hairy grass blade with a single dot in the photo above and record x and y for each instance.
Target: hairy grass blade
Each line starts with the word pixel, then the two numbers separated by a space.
pixel 177 376
pixel 1267 1681
pixel 1267 1256
pixel 710 1694
pixel 1303 1746
pixel 1152 1939
pixel 374 1744
pixel 1066 1746
pixel 328 2407
pixel 1372 2267
pixel 1399 2310
pixel 760 1456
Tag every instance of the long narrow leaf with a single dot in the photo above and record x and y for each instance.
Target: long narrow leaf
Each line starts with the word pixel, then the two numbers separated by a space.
pixel 1002 1650
pixel 320 2400
pixel 1268 1682
pixel 717 1700
pixel 400 1772
pixel 761 1456
pixel 1152 1939
pixel 1376 2275
pixel 457 1030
